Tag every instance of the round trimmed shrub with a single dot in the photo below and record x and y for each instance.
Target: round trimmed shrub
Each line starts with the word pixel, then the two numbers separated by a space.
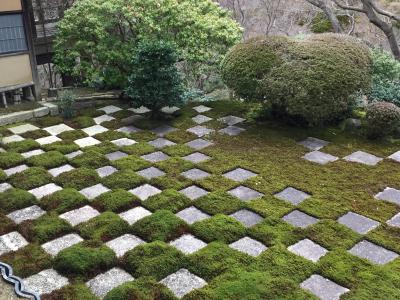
pixel 382 119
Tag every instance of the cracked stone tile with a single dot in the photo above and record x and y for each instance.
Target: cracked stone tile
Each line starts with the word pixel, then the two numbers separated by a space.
pixel 192 215
pixel 161 143
pixel 358 223
pixel 15 170
pixel 151 173
pixel 200 130
pixel 247 217
pixel 363 158
pixel 45 282
pixel 29 213
pixel 249 246
pixel 195 174
pixel 323 288
pixel 73 154
pixel 48 140
pixel 32 153
pixel 57 129
pixel 140 110
pixel 80 215
pixel 4 187
pixel 395 221
pixel 106 171
pixel 395 156
pixel 313 143
pixel 200 119
pixel 231 120
pixel 183 282
pixel 164 130
pixel 45 190
pixel 194 192
pixel 23 128
pixel 202 109
pixel 374 253
pixel 12 242
pixel 124 243
pixel 94 191
pixel 124 142
pixel 95 129
pixel 145 191
pixel 110 109
pixel 116 155
pixel 170 109
pixel 292 195
pixel 308 249
pixel 245 193
pixel 199 144
pixel 196 157
pixel 239 175
pixel 56 246
pixel 390 195
pixel 155 157
pixel 57 171
pixel 299 219
pixel 102 119
pixel 12 139
pixel 232 130
pixel 135 214
pixel 188 244
pixel 320 157
pixel 103 283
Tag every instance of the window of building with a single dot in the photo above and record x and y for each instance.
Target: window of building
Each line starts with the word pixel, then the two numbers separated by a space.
pixel 12 34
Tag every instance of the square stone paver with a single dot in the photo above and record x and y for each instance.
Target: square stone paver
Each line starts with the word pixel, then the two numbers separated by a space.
pixel 247 217
pixel 87 142
pixel 4 187
pixel 23 128
pixel 110 109
pixel 15 170
pixel 299 219
pixel 170 109
pixel 193 192
pixel 57 129
pixel 123 142
pixel 195 174
pixel 57 171
pixel 106 171
pixel 231 120
pixel 145 191
pixel 124 243
pixel 73 154
pixel 202 109
pixel 103 283
pixel 11 242
pixel 308 249
pixel 231 130
pixel 116 155
pixel 48 140
pixel 200 119
pixel 395 156
pixel 95 129
pixel 140 110
pixel 390 195
pixel 363 158
pixel 155 157
pixel 249 246
pixel 192 215
pixel 199 144
pixel 102 119
pixel 161 143
pixel 135 214
pixel 188 244
pixel 45 282
pixel 200 130
pixel 32 153
pixel 45 190
pixel 151 173
pixel 28 213
pixel 12 139
pixel 313 143
pixel 164 130
pixel 358 223
pixel 395 221
pixel 320 157
pixel 323 288
pixel 196 157
pixel 183 282
pixel 374 253
pixel 292 195
pixel 245 194
pixel 239 175
pixel 56 246
pixel 128 129
pixel 94 191
pixel 80 215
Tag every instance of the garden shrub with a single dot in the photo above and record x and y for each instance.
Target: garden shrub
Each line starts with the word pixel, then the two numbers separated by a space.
pixel 125 179
pixel 66 102
pixel 117 200
pixel 64 200
pixel 14 199
pixel 47 160
pixel 169 199
pixel 382 119
pixel 10 159
pixel 78 178
pixel 90 159
pixel 22 146
pixel 30 178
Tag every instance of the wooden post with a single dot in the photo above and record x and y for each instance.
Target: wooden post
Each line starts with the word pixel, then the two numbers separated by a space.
pixel 3 96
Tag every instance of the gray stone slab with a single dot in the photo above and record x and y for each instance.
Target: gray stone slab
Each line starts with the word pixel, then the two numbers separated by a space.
pixel 95 129
pixel 292 195
pixel 374 253
pixel 124 243
pixel 140 110
pixel 245 194
pixel 395 156
pixel 195 174
pixel 247 217
pixel 103 283
pixel 73 154
pixel 32 153
pixel 183 282
pixel 53 108
pixel 94 191
pixel 132 119
pixel 16 117
pixel 320 157
pixel 194 192
pixel 188 244
pixel 232 130
pixel 299 219
pixel 106 171
pixel 87 142
pixel 28 213
pixel 48 140
pixel 358 223
pixel 57 129
pixel 128 129
pixel 11 242
pixel 249 246
pixel 199 144
pixel 12 139
pixel 164 130
pixel 80 215
pixel 45 190
pixel 308 249
pixel 200 131
pixel 57 171
pixel 161 143
pixel 45 282
pixel 110 109
pixel 151 173
pixel 56 246
pixel 313 143
pixel 23 128
pixel 239 175
pixel 145 191
pixel 196 157
pixel 390 195
pixel 41 112
pixel 202 109
pixel 363 158
pixel 200 119
pixel 395 221
pixel 323 288
pixel 124 142
pixel 231 120
pixel 170 109
pixel 155 157
pixel 116 155
pixel 4 187
pixel 15 170
pixel 135 214
pixel 192 215
pixel 102 119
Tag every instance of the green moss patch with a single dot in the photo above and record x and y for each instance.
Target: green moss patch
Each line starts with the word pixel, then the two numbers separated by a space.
pixel 117 201
pixel 48 160
pixel 72 135
pixel 90 159
pixel 14 199
pixel 10 159
pixel 169 199
pixel 64 200
pixel 64 147
pixel 125 179
pixel 219 203
pixel 23 146
pixel 78 178
pixel 70 292
pixel 131 163
pixel 30 178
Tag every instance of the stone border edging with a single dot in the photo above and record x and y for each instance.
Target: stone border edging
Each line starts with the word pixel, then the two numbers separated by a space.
pixel 46 109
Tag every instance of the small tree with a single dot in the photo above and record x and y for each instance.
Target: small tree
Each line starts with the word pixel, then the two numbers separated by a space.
pixel 155 81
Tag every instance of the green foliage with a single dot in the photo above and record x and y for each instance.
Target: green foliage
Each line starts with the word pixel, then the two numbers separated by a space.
pixel 47 160
pixel 320 24
pixel 10 159
pixel 14 199
pixel 90 159
pixel 125 179
pixel 382 119
pixel 169 199
pixel 30 178
pixel 78 178
pixel 219 203
pixel 22 146
pixel 65 102
pixel 64 200
pixel 117 200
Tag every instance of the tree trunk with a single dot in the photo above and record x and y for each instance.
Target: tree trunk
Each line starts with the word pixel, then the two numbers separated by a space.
pixel 329 13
